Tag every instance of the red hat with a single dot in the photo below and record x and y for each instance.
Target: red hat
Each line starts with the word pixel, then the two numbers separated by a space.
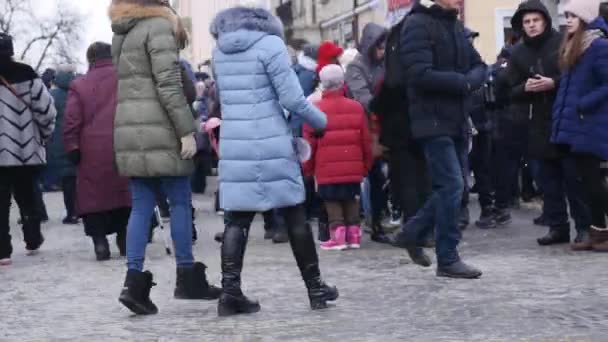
pixel 328 52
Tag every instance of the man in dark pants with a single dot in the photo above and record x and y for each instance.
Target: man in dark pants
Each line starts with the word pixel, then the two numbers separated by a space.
pixel 533 77
pixel 439 82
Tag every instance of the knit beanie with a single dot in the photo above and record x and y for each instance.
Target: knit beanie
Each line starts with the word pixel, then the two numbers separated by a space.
pixel 332 77
pixel 6 45
pixel 328 52
pixel 587 10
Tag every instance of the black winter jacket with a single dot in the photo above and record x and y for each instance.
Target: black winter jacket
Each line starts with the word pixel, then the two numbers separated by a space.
pixel 442 69
pixel 538 55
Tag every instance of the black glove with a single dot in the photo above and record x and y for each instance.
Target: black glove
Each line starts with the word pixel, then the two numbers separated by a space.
pixel 318 133
pixel 74 157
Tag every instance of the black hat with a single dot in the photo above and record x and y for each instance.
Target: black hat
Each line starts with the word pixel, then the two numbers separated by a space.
pixel 6 45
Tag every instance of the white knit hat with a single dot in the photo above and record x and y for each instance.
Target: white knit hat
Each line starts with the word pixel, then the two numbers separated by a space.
pixel 587 10
pixel 332 77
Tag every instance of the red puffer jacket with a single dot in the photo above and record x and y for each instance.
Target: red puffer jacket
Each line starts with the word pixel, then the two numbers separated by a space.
pixel 344 154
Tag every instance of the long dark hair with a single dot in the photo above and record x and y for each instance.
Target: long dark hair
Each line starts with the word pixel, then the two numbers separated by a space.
pixel 572 47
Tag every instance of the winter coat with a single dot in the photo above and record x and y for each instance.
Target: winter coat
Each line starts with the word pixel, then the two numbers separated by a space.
pixel 344 154
pixel 88 128
pixel 259 169
pixel 538 55
pixel 442 70
pixel 26 123
pixel 364 73
pixel 580 114
pixel 152 114
pixel 306 71
pixel 57 158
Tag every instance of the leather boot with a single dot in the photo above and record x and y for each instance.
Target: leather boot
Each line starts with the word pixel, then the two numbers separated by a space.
pixel 135 294
pixel 121 242
pixel 582 241
pixel 303 246
pixel 232 300
pixel 487 220
pixel 458 270
pixel 378 234
pixel 323 231
pixel 556 235
pixel 102 248
pixel 599 239
pixel 191 283
pixel 280 235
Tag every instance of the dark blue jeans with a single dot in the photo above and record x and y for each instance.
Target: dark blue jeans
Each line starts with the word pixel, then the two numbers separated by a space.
pixel 442 210
pixel 561 181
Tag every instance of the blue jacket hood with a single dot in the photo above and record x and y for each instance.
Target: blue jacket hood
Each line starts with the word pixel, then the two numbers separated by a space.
pixel 598 24
pixel 237 29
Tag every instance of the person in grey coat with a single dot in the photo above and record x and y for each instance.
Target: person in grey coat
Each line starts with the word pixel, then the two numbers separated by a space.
pixel 259 168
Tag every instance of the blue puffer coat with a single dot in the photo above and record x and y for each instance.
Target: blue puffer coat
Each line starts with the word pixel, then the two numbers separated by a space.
pixel 57 158
pixel 580 113
pixel 259 169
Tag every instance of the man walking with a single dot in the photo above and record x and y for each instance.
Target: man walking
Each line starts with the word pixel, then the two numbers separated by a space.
pixel 439 81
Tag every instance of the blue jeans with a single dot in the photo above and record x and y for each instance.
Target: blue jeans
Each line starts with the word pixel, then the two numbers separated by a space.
pixel 143 193
pixel 442 210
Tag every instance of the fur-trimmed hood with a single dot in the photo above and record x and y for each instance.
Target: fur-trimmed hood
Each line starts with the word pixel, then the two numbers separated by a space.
pixel 124 15
pixel 238 28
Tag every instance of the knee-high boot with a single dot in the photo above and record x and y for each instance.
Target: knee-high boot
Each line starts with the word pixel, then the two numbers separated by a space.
pixel 304 250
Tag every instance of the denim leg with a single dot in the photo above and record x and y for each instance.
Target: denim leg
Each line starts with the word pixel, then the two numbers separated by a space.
pixel 554 207
pixel 442 155
pixel 138 230
pixel 365 205
pixel 180 199
pixel 579 209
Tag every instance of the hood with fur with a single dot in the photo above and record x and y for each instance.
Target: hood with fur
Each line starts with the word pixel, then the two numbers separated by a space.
pixel 125 14
pixel 237 29
pixel 307 62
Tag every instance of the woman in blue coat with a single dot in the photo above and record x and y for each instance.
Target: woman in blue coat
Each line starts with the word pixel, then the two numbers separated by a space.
pixel 580 113
pixel 259 169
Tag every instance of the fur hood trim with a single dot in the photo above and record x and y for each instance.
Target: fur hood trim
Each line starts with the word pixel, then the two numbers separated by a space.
pixel 248 19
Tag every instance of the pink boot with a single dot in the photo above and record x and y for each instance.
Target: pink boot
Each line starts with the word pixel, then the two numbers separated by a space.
pixel 353 237
pixel 337 242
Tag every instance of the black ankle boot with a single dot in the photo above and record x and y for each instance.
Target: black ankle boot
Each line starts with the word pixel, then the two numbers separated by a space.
pixel 102 248
pixel 135 294
pixel 487 220
pixel 235 304
pixel 191 283
pixel 323 231
pixel 280 235
pixel 556 235
pixel 320 293
pixel 378 234
pixel 121 242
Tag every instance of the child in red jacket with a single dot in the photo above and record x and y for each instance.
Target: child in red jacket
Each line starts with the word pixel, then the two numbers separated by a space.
pixel 341 159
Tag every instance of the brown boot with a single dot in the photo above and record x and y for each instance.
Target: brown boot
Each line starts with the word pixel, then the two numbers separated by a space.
pixel 582 242
pixel 599 239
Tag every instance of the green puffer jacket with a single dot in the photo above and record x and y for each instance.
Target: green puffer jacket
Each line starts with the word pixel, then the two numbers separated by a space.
pixel 152 114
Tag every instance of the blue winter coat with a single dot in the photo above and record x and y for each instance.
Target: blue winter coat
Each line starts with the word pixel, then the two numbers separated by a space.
pixel 259 169
pixel 57 158
pixel 580 113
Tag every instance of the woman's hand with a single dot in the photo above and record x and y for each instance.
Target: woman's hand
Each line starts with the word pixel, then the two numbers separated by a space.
pixel 188 147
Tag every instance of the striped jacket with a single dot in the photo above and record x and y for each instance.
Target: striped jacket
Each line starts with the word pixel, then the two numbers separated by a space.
pixel 27 118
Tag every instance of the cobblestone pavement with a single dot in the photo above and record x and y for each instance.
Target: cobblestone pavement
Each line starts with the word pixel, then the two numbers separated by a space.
pixel 527 293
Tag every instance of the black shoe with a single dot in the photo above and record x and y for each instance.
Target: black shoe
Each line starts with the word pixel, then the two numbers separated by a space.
pixel 219 237
pixel 121 243
pixel 34 248
pixel 487 220
pixel 541 221
pixel 102 248
pixel 230 305
pixel 194 234
pixel 378 234
pixel 555 236
pixel 320 293
pixel 135 294
pixel 415 252
pixel 323 232
pixel 280 236
pixel 268 234
pixel 458 270
pixel 427 243
pixel 503 217
pixel 191 283
pixel 71 220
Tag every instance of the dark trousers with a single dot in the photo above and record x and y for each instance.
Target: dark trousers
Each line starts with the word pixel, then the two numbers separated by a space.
pixel 442 210
pixel 409 179
pixel 595 186
pixel 482 166
pixel 561 182
pixel 509 157
pixel 106 222
pixel 377 194
pixel 21 183
pixel 68 185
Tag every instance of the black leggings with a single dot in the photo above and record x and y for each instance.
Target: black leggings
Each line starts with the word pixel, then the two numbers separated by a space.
pixel 595 184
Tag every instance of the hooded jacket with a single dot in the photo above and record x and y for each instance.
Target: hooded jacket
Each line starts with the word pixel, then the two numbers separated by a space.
pixel 442 70
pixel 57 158
pixel 580 113
pixel 259 168
pixel 152 114
pixel 364 73
pixel 538 55
pixel 26 124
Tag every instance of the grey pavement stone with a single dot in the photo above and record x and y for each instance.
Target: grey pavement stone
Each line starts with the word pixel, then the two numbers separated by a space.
pixel 527 293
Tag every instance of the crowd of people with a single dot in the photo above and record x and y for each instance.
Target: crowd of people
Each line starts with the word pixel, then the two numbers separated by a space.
pixel 401 129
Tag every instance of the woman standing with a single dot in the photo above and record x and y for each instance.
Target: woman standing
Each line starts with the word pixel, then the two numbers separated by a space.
pixel 102 196
pixel 259 169
pixel 154 142
pixel 580 114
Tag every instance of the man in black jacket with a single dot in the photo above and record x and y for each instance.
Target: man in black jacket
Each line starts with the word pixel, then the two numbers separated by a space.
pixel 442 70
pixel 533 76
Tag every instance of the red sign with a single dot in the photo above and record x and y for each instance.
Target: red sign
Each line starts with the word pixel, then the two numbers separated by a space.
pixel 397 4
